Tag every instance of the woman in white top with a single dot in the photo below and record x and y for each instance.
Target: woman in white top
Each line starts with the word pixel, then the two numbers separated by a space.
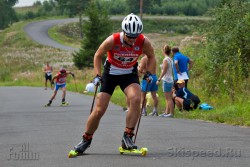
pixel 167 81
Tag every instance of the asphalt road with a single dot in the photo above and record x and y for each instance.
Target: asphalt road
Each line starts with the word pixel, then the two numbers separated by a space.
pixel 38 31
pixel 47 133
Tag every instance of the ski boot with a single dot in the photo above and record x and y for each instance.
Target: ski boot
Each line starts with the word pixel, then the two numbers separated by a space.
pixel 80 148
pixel 129 147
pixel 64 103
pixel 127 142
pixel 47 105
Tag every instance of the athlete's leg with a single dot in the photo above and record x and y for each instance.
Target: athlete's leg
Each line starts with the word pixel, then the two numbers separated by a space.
pixel 64 91
pixel 54 95
pixel 133 95
pixel 102 101
pixel 55 92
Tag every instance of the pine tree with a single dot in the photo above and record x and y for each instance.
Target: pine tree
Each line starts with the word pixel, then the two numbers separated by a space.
pixel 7 13
pixel 95 30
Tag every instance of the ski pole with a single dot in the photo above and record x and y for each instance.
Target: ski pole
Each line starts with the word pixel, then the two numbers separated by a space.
pixel 75 84
pixel 138 124
pixel 96 88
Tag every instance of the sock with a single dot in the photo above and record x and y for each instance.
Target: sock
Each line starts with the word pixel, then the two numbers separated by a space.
pixel 129 131
pixel 87 136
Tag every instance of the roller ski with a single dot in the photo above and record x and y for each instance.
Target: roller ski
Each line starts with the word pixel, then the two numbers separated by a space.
pixel 80 148
pixel 64 104
pixel 143 151
pixel 49 104
pixel 129 147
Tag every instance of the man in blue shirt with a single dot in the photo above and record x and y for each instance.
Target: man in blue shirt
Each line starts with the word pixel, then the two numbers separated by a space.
pixel 181 65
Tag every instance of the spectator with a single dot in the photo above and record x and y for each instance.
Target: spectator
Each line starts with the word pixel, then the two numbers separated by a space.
pixel 184 99
pixel 167 81
pixel 151 87
pixel 182 65
pixel 48 74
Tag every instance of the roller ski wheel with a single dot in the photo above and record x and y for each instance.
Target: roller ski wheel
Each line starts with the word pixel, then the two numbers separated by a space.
pixel 72 154
pixel 143 151
pixel 64 104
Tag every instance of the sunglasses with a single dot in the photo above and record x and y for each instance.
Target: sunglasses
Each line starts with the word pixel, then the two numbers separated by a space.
pixel 129 37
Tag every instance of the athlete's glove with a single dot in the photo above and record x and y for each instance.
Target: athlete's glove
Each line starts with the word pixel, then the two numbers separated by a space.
pixel 148 77
pixel 97 80
pixel 52 82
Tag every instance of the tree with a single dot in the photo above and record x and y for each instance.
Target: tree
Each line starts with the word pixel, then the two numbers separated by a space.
pixel 227 46
pixel 75 7
pixel 95 30
pixel 7 13
pixel 134 6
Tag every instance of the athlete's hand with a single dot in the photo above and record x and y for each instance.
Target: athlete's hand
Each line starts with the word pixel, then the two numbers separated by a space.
pixel 73 75
pixel 52 82
pixel 97 80
pixel 148 77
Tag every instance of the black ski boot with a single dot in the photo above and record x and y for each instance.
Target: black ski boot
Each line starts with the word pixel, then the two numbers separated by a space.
pixel 47 105
pixel 83 145
pixel 127 142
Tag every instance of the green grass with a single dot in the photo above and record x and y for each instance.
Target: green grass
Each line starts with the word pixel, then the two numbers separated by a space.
pixel 54 33
pixel 24 10
pixel 21 62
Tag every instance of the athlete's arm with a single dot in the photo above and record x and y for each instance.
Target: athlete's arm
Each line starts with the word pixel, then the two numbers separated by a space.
pixel 148 50
pixel 54 77
pixel 106 45
pixel 71 73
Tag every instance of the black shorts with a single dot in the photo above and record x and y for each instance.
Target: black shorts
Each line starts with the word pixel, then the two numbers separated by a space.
pixel 111 81
pixel 48 77
pixel 192 103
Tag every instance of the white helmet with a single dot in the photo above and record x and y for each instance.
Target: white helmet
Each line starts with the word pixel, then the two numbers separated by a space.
pixel 132 25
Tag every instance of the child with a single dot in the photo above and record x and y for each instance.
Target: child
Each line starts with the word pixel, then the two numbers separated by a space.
pixel 60 78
